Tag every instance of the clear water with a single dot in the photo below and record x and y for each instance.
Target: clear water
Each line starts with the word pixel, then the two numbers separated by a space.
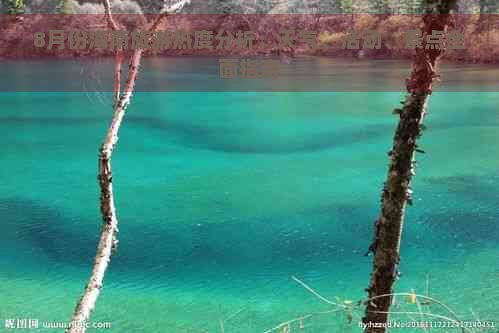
pixel 223 197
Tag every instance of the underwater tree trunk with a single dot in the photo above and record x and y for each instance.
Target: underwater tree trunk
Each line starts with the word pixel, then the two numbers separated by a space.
pixel 397 192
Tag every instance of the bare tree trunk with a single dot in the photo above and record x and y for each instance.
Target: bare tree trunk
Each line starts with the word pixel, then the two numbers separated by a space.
pixel 108 240
pixel 396 192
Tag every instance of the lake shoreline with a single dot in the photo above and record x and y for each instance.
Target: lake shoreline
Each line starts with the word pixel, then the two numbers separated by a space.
pixel 480 37
pixel 4 58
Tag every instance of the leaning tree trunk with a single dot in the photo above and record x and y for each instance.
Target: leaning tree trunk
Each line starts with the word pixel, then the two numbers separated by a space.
pixel 108 241
pixel 396 192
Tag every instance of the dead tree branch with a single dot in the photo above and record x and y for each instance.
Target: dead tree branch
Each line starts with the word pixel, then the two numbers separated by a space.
pixel 108 240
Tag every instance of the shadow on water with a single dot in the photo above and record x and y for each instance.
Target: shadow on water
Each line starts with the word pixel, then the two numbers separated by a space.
pixel 239 140
pixel 266 241
pixel 47 229
pixel 53 121
pixel 471 212
pixel 308 237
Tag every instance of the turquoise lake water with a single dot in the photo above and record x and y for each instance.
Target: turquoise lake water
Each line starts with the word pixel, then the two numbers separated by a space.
pixel 222 197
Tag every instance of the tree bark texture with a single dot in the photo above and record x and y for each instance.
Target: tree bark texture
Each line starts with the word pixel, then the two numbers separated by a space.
pixel 108 238
pixel 397 188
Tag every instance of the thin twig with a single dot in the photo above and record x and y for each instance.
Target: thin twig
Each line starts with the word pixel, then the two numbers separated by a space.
pixel 109 17
pixel 117 76
pixel 421 296
pixel 222 329
pixel 168 11
pixel 235 314
pixel 315 293
pixel 339 307
pixel 420 311
pixel 288 323
pixel 427 294
pixel 424 314
pixel 356 306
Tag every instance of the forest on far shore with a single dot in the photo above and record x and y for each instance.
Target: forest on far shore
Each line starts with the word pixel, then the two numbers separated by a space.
pixel 479 22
